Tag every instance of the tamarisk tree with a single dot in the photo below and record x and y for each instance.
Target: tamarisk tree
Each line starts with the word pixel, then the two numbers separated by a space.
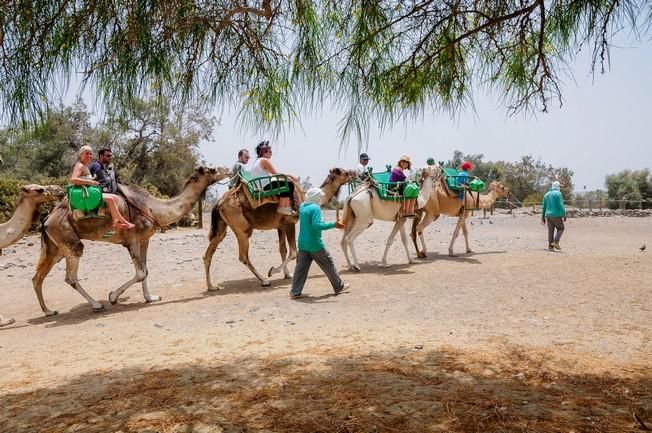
pixel 373 60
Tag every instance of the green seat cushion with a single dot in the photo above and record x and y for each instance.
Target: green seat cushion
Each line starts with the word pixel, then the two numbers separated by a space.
pixel 84 197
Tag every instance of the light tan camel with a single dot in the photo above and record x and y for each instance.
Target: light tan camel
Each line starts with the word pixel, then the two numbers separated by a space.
pixel 234 211
pixel 62 234
pixel 31 196
pixel 446 202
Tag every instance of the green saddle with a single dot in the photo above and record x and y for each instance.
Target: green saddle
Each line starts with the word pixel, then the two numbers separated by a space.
pixel 84 197
pixel 391 190
pixel 456 183
pixel 255 185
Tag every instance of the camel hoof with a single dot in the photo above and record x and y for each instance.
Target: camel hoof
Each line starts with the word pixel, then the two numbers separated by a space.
pixel 385 265
pixel 452 255
pixel 152 298
pixel 51 313
pixel 469 251
pixel 354 268
pixel 212 288
pixel 413 262
pixel 422 255
pixel 113 299
pixel 288 276
pixel 265 283
pixel 97 307
pixel 6 322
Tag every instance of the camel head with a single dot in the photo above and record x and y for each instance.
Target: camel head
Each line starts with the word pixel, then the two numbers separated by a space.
pixel 42 194
pixel 501 190
pixel 208 176
pixel 339 176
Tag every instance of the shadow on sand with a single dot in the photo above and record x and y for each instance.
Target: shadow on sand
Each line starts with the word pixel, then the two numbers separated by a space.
pixel 404 390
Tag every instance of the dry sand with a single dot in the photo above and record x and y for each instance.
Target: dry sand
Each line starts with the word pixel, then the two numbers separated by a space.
pixel 511 338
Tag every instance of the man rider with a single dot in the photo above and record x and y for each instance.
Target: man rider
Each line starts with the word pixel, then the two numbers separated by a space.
pixel 103 172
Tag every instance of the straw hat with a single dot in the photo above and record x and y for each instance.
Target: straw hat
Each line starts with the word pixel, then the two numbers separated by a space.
pixel 407 159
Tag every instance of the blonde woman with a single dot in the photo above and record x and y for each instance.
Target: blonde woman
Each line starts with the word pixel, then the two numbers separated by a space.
pixel 81 176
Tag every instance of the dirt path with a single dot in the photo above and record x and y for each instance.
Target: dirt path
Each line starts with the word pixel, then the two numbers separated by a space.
pixel 512 337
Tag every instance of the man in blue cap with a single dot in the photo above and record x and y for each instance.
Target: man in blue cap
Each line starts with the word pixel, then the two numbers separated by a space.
pixel 361 168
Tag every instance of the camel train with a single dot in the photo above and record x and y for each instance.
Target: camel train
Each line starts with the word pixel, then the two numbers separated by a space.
pixel 242 210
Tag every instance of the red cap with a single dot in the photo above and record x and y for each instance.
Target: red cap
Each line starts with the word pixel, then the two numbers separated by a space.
pixel 466 165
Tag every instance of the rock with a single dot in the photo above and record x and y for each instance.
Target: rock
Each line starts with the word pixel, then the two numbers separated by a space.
pixel 418 346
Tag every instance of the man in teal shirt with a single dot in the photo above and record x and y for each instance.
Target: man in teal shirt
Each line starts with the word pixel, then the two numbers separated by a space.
pixel 311 246
pixel 554 213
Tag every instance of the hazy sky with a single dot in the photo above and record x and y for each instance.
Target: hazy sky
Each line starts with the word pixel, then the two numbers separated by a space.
pixel 603 127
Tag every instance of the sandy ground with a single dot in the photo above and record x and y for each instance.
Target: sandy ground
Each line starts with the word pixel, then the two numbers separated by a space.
pixel 510 338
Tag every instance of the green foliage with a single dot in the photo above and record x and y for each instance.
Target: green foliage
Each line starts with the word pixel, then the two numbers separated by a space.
pixel 10 189
pixel 375 60
pixel 154 146
pixel 633 185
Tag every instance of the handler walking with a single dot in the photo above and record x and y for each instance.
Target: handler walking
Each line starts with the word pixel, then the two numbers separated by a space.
pixel 311 246
pixel 554 213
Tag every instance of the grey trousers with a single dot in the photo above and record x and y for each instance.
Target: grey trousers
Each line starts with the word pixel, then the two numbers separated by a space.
pixel 325 262
pixel 555 223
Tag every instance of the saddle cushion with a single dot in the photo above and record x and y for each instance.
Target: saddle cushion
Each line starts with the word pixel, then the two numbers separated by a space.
pixel 84 197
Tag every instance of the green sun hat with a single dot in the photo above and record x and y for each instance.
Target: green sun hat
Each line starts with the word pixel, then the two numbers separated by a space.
pixel 430 161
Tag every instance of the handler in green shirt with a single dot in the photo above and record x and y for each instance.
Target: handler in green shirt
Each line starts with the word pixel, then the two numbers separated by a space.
pixel 554 213
pixel 311 246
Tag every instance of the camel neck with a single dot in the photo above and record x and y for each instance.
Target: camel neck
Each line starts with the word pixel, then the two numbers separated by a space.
pixel 167 212
pixel 14 229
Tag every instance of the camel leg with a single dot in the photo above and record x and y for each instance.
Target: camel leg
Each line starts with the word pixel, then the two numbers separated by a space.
pixel 390 240
pixel 50 255
pixel 143 255
pixel 243 251
pixel 285 237
pixel 456 232
pixel 210 251
pixel 141 272
pixel 348 241
pixel 72 266
pixel 292 243
pixel 427 220
pixel 404 240
pixel 465 232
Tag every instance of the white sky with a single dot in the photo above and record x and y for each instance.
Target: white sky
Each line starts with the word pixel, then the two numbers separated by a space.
pixel 602 128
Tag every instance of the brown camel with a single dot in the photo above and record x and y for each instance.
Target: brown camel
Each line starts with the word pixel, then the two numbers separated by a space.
pixel 62 234
pixel 31 196
pixel 235 211
pixel 448 203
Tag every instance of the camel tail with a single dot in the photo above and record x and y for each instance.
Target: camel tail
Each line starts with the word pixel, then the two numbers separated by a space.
pixel 215 219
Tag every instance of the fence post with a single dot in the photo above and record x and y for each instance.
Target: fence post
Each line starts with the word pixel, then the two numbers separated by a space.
pixel 590 205
pixel 600 203
pixel 621 204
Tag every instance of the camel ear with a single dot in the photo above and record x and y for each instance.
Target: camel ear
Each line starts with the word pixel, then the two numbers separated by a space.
pixel 24 188
pixel 337 171
pixel 40 190
pixel 200 170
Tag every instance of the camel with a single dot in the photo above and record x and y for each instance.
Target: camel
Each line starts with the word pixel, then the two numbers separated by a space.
pixel 444 201
pixel 364 206
pixel 62 234
pixel 235 211
pixel 31 196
